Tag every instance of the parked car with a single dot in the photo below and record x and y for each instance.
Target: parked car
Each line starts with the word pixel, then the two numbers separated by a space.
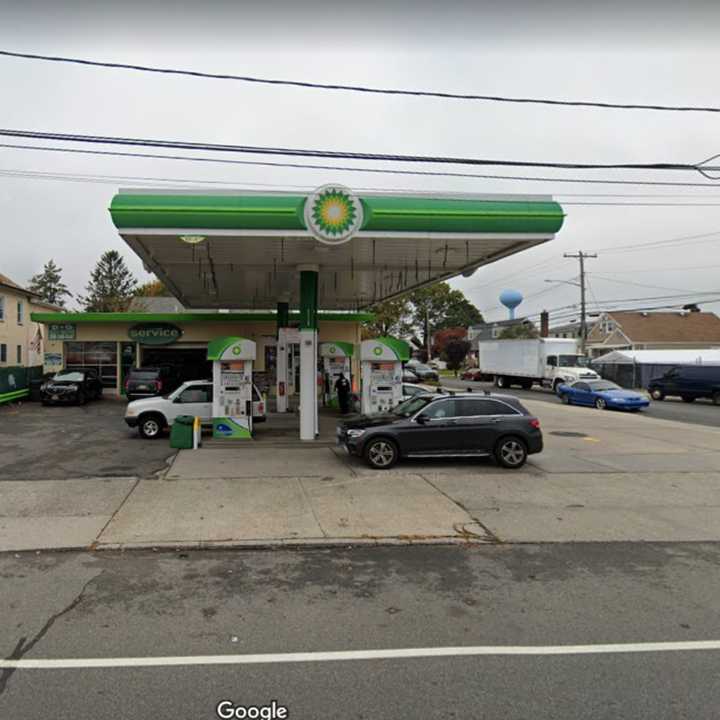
pixel 411 390
pixel 445 425
pixel 150 381
pixel 472 374
pixel 409 376
pixel 437 364
pixel 71 386
pixel 154 414
pixel 425 372
pixel 689 382
pixel 603 394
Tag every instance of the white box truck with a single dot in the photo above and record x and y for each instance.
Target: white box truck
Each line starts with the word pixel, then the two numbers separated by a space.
pixel 549 362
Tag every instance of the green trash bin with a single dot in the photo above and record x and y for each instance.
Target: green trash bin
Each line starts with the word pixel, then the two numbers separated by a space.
pixel 181 434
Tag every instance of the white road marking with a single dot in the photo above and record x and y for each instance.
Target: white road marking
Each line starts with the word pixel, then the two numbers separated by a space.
pixel 335 656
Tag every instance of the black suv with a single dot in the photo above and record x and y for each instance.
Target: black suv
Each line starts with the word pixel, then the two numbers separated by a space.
pixel 449 425
pixel 689 382
pixel 151 381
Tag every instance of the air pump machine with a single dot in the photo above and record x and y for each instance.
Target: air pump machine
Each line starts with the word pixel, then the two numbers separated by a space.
pixel 381 362
pixel 336 358
pixel 232 359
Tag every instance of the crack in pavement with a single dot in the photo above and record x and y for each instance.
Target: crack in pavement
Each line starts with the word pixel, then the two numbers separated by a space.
pixel 23 647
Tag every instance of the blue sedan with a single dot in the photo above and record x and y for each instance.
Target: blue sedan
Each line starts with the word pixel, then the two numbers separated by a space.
pixel 603 395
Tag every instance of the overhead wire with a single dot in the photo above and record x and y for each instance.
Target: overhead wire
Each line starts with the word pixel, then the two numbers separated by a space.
pixel 367 89
pixel 340 154
pixel 344 168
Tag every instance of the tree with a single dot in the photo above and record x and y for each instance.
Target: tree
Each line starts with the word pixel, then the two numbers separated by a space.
pixel 519 331
pixel 442 337
pixel 391 318
pixel 456 352
pixel 111 285
pixel 48 285
pixel 152 288
pixel 437 307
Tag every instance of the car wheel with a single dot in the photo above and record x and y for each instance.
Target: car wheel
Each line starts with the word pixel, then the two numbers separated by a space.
pixel 716 398
pixel 511 453
pixel 151 427
pixel 688 398
pixel 657 394
pixel 556 386
pixel 381 454
pixel 500 381
pixel 600 404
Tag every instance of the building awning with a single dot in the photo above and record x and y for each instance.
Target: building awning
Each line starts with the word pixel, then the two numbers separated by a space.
pixel 243 249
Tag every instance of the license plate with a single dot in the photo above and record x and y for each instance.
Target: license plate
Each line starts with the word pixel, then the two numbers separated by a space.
pixel 55 397
pixel 143 387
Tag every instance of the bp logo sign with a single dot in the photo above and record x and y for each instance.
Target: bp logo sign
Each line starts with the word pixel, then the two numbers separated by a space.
pixel 155 333
pixel 333 214
pixel 377 350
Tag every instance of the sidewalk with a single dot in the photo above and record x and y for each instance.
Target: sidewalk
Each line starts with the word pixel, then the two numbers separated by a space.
pixel 603 477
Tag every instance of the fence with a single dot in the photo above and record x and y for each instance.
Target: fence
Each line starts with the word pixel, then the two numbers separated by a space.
pixel 15 382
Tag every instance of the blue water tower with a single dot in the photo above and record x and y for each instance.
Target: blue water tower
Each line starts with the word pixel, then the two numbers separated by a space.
pixel 511 299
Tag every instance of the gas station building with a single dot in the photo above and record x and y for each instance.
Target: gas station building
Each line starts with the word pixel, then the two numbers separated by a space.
pixel 299 269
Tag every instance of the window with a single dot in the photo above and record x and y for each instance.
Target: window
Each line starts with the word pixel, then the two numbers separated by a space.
pixel 196 394
pixel 581 386
pixel 440 410
pixel 2 308
pixel 19 354
pixel 101 357
pixel 20 309
pixel 471 407
pixel 3 353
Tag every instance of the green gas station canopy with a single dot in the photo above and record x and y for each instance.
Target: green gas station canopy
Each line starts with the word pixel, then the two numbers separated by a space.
pixel 242 249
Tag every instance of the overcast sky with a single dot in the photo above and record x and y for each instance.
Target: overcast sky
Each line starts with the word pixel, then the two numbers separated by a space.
pixel 620 52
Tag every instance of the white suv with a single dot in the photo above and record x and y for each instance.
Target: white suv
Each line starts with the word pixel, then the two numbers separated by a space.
pixel 152 415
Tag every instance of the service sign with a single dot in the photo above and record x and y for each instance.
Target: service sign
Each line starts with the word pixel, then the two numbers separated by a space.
pixel 62 331
pixel 155 333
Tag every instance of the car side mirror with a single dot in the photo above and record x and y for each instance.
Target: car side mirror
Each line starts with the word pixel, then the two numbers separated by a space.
pixel 422 419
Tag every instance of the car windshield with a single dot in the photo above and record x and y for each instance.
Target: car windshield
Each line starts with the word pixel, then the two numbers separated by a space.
pixel 70 376
pixel 600 386
pixel 411 406
pixel 573 361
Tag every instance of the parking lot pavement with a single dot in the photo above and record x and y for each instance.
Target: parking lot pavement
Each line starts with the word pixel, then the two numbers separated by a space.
pixel 63 442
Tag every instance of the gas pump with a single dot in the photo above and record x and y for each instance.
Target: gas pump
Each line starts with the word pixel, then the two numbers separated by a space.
pixel 381 361
pixel 232 386
pixel 336 358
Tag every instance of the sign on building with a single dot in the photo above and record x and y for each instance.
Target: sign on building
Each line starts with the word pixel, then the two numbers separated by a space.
pixel 61 331
pixel 155 333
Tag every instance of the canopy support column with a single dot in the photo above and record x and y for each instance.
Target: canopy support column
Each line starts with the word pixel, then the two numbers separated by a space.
pixel 308 351
pixel 281 362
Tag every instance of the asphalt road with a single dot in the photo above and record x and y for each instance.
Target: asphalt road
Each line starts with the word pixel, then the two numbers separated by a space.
pixel 142 605
pixel 61 442
pixel 701 412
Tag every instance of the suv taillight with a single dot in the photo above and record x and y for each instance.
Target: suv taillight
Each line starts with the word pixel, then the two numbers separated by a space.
pixel 158 385
pixel 535 423
pixel 127 384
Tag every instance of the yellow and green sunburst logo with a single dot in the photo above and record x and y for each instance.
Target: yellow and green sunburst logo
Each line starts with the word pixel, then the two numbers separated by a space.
pixel 333 214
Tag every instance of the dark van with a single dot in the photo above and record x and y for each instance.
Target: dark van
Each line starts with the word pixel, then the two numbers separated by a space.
pixel 689 382
pixel 151 381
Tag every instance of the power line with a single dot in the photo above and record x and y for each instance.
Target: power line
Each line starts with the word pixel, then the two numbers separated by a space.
pixel 629 282
pixel 362 88
pixel 342 168
pixel 660 243
pixel 343 154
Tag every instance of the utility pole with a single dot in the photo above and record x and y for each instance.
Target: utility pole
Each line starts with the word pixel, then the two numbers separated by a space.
pixel 581 256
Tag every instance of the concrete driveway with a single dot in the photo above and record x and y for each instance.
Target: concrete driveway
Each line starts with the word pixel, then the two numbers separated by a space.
pixel 65 442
